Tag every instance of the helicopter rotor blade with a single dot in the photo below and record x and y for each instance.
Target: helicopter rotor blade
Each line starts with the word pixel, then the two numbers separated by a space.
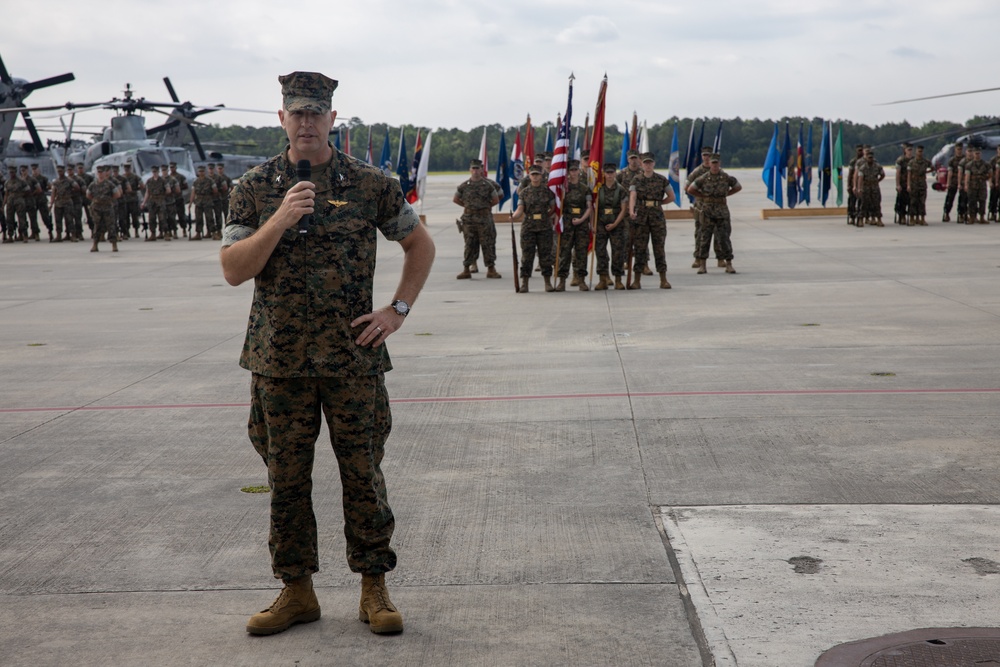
pixel 51 81
pixel 936 97
pixel 170 89
pixel 30 124
pixel 197 142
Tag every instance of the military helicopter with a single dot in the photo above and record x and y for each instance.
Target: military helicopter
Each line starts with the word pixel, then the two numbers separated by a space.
pixel 12 94
pixel 978 136
pixel 171 134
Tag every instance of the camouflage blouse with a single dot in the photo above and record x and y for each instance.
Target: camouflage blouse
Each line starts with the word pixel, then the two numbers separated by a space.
pixel 203 186
pixel 609 202
pixel 62 191
pixel 715 188
pixel 978 171
pixel 575 201
pixel 477 198
pixel 157 189
pixel 315 284
pixel 538 203
pixel 102 194
pixel 650 189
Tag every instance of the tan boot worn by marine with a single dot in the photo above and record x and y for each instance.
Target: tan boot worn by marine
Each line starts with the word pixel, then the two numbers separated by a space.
pixel 618 283
pixel 491 272
pixel 603 283
pixel 464 275
pixel 474 268
pixel 376 609
pixel 575 282
pixel 720 262
pixel 663 280
pixel 583 285
pixel 646 271
pixel 729 267
pixel 548 284
pixel 296 603
pixel 701 266
pixel 523 289
pixel 636 284
pixel 561 286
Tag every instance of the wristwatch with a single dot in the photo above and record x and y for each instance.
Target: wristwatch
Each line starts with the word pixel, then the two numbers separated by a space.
pixel 401 307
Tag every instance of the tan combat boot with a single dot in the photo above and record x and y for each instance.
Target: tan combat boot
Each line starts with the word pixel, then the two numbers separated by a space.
pixel 474 268
pixel 635 281
pixel 663 280
pixel 548 284
pixel 694 264
pixel 575 282
pixel 618 283
pixel 561 286
pixel 524 286
pixel 729 267
pixel 646 271
pixel 491 272
pixel 114 246
pixel 376 609
pixel 93 248
pixel 464 275
pixel 296 603
pixel 583 285
pixel 702 268
pixel 720 262
pixel 603 283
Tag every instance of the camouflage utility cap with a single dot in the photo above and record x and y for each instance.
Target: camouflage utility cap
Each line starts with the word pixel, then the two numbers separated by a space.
pixel 475 163
pixel 714 157
pixel 633 153
pixel 706 151
pixel 610 166
pixel 648 157
pixel 307 91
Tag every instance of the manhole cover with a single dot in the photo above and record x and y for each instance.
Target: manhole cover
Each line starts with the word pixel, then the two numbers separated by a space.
pixel 931 647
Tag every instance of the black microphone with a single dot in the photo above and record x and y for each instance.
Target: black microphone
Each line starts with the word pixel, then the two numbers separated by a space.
pixel 303 170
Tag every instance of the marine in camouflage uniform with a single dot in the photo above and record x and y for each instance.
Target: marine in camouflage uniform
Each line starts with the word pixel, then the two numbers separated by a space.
pixel 314 344
pixel 131 197
pixel 853 197
pixel 994 206
pixel 977 175
pixel 87 178
pixel 477 196
pixel 952 184
pixel 75 231
pixel 41 199
pixel 713 188
pixel 16 190
pixel 575 236
pixel 102 195
pixel 702 168
pixel 917 171
pixel 29 201
pixel 625 178
pixel 220 171
pixel 202 191
pixel 180 214
pixel 536 204
pixel 869 174
pixel 611 212
pixel 219 201
pixel 155 203
pixel 169 227
pixel 963 193
pixel 647 195
pixel 63 189
pixel 902 206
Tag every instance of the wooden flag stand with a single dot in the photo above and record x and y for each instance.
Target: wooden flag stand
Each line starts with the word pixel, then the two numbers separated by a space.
pixel 807 212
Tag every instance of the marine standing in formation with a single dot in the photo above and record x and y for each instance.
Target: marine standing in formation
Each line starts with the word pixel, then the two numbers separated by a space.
pixel 575 236
pixel 853 197
pixel 155 203
pixel 41 200
pixel 648 193
pixel 536 205
pixel 917 171
pixel 102 195
pixel 994 206
pixel 611 211
pixel 713 188
pixel 977 175
pixel 315 347
pixel 15 192
pixel 477 196
pixel 632 169
pixel 868 176
pixel 63 189
pixel 702 168
pixel 902 206
pixel 203 192
pixel 952 182
pixel 135 189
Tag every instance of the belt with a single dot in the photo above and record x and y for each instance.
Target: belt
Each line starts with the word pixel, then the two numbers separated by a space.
pixel 717 200
pixel 469 209
pixel 609 211
pixel 575 210
pixel 651 202
pixel 536 216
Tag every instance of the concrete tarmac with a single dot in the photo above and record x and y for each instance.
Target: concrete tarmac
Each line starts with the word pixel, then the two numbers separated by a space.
pixel 743 470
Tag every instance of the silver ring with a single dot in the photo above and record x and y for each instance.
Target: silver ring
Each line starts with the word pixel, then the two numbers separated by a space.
pixel 379 329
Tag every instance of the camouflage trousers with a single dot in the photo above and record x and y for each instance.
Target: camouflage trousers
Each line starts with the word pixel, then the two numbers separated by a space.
pixel 994 206
pixel 105 222
pixel 283 427
pixel 221 208
pixel 871 203
pixel 539 240
pixel 696 213
pixel 61 213
pixel 650 227
pixel 573 243
pixel 949 200
pixel 977 199
pixel 852 204
pixel 157 215
pixel 480 235
pixel 203 218
pixel 42 211
pixel 717 228
pixel 618 237
pixel 17 212
pixel 918 201
pixel 132 213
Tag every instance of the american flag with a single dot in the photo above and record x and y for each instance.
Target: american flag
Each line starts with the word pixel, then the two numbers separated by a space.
pixel 557 174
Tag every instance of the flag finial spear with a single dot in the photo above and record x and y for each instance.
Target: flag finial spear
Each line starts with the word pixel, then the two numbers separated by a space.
pixel 571 77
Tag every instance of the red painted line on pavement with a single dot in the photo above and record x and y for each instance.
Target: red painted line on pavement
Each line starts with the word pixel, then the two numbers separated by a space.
pixel 537 397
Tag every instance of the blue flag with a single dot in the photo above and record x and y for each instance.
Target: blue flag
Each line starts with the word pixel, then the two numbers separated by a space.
pixel 770 174
pixel 823 170
pixel 623 162
pixel 548 140
pixel 503 171
pixel 385 160
pixel 717 144
pixel 403 164
pixel 788 170
pixel 675 168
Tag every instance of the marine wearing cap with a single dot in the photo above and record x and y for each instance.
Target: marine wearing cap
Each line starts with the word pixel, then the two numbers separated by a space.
pixel 648 157
pixel 307 91
pixel 475 163
pixel 535 169
pixel 714 157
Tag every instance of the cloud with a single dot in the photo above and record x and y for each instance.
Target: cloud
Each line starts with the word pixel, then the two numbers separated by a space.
pixel 907 52
pixel 589 29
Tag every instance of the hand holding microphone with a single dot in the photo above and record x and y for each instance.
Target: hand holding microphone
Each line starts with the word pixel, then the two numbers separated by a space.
pixel 303 171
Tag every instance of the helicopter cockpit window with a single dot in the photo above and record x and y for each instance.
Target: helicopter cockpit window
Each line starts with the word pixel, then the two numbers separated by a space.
pixel 150 160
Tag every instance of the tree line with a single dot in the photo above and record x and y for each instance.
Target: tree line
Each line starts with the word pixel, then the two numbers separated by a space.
pixel 744 141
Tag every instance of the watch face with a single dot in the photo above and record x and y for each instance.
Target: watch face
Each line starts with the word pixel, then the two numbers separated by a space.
pixel 401 307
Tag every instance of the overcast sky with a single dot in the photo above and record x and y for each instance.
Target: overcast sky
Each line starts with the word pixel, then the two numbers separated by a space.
pixel 465 63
